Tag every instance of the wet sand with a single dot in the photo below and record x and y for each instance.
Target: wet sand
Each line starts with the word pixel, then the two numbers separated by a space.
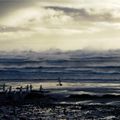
pixel 60 112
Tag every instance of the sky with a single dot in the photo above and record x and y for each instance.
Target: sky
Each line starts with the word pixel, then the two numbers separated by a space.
pixel 59 24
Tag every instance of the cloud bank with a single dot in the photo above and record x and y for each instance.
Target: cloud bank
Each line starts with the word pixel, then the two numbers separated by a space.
pixel 67 24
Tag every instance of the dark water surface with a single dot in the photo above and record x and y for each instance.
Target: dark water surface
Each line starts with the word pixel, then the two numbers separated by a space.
pixel 82 70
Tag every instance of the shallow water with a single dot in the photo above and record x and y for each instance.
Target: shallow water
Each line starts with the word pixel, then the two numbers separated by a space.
pixel 68 87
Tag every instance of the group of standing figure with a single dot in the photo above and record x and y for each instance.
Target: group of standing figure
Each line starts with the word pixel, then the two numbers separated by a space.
pixel 28 88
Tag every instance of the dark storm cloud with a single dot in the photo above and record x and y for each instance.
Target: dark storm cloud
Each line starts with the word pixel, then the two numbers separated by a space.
pixel 87 14
pixel 8 6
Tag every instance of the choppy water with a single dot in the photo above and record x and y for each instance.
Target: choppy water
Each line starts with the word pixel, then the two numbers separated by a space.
pixel 80 71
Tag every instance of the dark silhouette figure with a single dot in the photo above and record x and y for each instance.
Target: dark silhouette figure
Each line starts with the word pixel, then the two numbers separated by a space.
pixel 10 89
pixel 41 88
pixel 21 89
pixel 4 87
pixel 31 87
pixel 59 82
pixel 27 88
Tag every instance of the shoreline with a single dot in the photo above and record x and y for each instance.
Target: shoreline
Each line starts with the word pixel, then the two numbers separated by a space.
pixel 48 98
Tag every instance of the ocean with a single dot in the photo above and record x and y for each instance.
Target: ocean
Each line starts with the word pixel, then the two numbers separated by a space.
pixel 90 84
pixel 80 71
